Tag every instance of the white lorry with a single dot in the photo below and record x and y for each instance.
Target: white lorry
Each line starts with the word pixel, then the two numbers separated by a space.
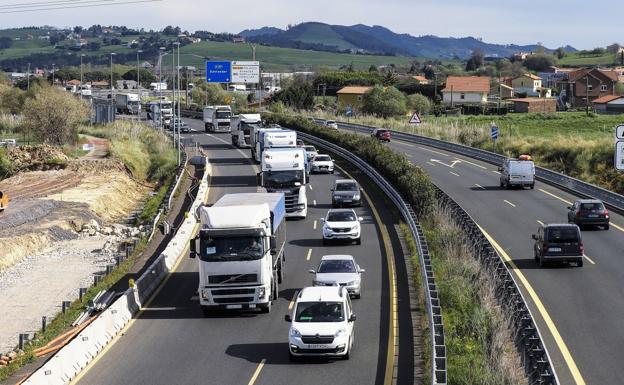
pixel 241 251
pixel 128 104
pixel 274 138
pixel 284 170
pixel 241 129
pixel 217 118
pixel 162 109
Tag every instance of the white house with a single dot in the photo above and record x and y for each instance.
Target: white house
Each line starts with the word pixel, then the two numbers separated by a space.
pixel 531 85
pixel 466 90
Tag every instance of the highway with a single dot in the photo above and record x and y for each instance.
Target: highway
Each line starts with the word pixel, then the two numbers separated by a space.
pixel 170 342
pixel 578 310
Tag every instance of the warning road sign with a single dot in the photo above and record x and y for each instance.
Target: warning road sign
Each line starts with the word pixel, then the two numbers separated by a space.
pixel 415 119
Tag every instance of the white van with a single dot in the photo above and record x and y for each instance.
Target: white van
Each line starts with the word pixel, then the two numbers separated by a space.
pixel 517 172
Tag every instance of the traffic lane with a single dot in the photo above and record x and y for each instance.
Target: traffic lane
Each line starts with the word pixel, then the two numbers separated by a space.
pixel 363 367
pixel 171 332
pixel 563 292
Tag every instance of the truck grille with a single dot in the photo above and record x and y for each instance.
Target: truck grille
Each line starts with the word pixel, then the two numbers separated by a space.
pixel 233 291
pixel 223 124
pixel 232 278
pixel 317 339
pixel 233 299
pixel 292 200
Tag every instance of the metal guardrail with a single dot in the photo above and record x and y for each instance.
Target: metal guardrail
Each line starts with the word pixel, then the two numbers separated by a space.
pixel 432 301
pixel 613 200
pixel 528 339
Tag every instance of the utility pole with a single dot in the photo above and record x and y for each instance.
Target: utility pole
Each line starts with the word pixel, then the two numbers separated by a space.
pixel 81 76
pixel 587 94
pixel 52 74
pixel 111 68
pixel 161 49
pixel 28 78
pixel 253 51
pixel 179 106
pixel 138 86
pixel 173 85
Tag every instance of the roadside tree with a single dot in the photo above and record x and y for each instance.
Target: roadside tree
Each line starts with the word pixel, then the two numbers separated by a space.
pixel 384 102
pixel 53 116
pixel 418 103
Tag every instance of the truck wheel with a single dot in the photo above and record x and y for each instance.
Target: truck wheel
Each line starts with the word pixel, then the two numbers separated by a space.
pixel 532 186
pixel 267 308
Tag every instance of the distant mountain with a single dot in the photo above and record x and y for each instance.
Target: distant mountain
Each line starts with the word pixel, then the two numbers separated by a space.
pixel 261 31
pixel 379 40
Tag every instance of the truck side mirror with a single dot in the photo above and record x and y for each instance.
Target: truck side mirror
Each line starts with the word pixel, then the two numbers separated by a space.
pixel 273 244
pixel 352 318
pixel 193 247
pixel 500 169
pixel 287 318
pixel 534 236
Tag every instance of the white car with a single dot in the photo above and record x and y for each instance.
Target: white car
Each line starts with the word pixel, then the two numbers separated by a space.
pixel 331 124
pixel 311 152
pixel 341 270
pixel 341 224
pixel 323 163
pixel 321 323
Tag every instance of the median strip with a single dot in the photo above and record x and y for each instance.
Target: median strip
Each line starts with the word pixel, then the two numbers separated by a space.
pixel 257 372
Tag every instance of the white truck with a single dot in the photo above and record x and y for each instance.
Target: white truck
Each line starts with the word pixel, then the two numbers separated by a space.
pixel 274 138
pixel 241 251
pixel 217 118
pixel 160 109
pixel 256 140
pixel 128 104
pixel 241 129
pixel 284 170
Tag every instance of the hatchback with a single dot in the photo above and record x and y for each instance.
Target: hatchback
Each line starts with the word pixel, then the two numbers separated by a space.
pixel 589 212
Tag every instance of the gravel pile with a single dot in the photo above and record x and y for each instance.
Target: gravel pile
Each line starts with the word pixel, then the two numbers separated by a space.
pixel 39 157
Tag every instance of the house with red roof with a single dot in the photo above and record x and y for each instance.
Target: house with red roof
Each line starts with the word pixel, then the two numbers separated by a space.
pixel 466 90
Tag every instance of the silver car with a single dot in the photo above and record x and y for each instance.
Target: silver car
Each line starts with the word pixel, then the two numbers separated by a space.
pixel 339 270
pixel 346 192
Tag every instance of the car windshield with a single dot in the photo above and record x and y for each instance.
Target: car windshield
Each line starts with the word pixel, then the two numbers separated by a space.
pixel 562 235
pixel 337 266
pixel 346 187
pixel 319 312
pixel 322 158
pixel 592 206
pixel 341 216
pixel 230 249
pixel 331 122
pixel 310 148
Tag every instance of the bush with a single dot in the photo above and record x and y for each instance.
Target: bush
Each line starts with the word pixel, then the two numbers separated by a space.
pixel 6 167
pixel 419 103
pixel 413 183
pixel 384 102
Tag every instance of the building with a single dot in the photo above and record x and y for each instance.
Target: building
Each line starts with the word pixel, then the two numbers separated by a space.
pixel 529 85
pixel 586 85
pixel 421 79
pixel 351 96
pixel 466 90
pixel 609 104
pixel 541 105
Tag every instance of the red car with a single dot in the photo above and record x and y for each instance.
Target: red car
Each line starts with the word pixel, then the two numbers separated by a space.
pixel 381 134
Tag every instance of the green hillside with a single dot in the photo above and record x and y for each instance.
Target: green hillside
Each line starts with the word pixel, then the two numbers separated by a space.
pixel 317 33
pixel 280 59
pixel 579 59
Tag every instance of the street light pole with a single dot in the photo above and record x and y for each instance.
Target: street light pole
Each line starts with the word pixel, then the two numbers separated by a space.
pixel 81 56
pixel 28 78
pixel 173 87
pixel 160 86
pixel 52 74
pixel 138 86
pixel 111 69
pixel 587 95
pixel 179 105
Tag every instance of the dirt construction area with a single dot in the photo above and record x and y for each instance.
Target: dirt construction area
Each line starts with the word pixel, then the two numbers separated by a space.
pixel 62 225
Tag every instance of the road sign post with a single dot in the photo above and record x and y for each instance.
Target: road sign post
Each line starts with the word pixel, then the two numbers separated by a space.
pixel 618 160
pixel 494 133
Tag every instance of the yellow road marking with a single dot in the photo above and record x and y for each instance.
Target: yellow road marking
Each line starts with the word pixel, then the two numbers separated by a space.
pixel 309 254
pixel 540 222
pixel 292 301
pixel 479 186
pixel 434 151
pixel 567 356
pixel 257 372
pixel 393 332
pixel 474 164
pixel 617 227
pixel 555 196
pixel 454 173
pixel 314 226
pixel 431 163
pixel 589 259
pixel 509 203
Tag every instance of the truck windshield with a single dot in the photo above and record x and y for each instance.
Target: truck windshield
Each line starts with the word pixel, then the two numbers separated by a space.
pixel 319 312
pixel 231 249
pixel 224 114
pixel 165 106
pixel 278 179
pixel 246 127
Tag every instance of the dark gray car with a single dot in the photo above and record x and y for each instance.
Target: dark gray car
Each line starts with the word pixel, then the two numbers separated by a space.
pixel 558 243
pixel 346 192
pixel 589 212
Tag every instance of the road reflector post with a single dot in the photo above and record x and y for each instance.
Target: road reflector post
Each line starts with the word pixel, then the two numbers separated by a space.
pixel 44 323
pixel 81 292
pixel 65 306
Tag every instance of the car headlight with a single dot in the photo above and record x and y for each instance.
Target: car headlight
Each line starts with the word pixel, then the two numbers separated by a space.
pixel 341 333
pixel 356 197
pixel 354 227
pixel 351 283
pixel 205 294
pixel 294 332
pixel 261 292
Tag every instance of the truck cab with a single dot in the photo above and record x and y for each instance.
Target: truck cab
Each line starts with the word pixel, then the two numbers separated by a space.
pixel 240 250
pixel 217 118
pixel 242 126
pixel 257 141
pixel 284 170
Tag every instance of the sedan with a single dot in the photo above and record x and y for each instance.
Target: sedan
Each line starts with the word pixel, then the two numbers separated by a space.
pixel 323 163
pixel 589 212
pixel 341 224
pixel 339 270
pixel 311 152
pixel 331 124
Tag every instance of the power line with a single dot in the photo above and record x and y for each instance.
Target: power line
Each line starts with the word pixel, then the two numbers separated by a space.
pixel 37 4
pixel 110 2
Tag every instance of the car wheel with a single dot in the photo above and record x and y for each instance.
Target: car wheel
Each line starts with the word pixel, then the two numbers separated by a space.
pixel 606 227
pixel 206 311
pixel 266 309
pixel 292 357
pixel 358 241
pixel 348 354
pixel 542 263
pixel 280 272
pixel 579 263
pixel 532 186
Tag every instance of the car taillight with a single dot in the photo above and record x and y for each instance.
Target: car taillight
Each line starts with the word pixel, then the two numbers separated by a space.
pixel 582 248
pixel 606 213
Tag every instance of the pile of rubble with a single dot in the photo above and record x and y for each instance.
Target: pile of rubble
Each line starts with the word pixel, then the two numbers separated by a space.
pixel 39 157
pixel 93 228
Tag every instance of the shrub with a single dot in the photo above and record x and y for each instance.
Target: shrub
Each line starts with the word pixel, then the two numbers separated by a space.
pixel 384 102
pixel 419 103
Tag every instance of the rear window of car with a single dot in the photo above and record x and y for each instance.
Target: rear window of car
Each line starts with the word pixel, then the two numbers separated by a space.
pixel 592 206
pixel 322 158
pixel 562 235
pixel 346 187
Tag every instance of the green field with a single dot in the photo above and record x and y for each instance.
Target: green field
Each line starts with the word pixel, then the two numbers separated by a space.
pixel 281 59
pixel 576 59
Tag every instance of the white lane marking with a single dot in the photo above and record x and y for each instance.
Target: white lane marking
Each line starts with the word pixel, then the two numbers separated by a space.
pixel 589 259
pixel 452 165
pixel 434 151
pixel 509 203
pixel 540 222
pixel 310 186
pixel 479 186
pixel 195 298
pixel 431 163
pixel 496 172
pixel 555 196
pixel 309 254
pixel 454 173
pixel 314 202
pixel 314 226
pixel 474 164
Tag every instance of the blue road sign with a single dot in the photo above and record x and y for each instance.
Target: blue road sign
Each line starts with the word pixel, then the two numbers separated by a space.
pixel 218 71
pixel 494 132
pixel 349 111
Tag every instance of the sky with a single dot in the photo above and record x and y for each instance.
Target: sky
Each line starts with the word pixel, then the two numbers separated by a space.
pixel 554 23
